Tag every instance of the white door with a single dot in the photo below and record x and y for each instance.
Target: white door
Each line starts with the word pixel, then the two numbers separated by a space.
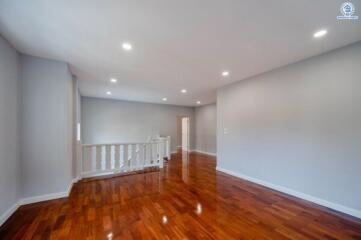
pixel 185 133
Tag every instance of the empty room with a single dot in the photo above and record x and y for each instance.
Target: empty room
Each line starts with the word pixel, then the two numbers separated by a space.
pixel 170 119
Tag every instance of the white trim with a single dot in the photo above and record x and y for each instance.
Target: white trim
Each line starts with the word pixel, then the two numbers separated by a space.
pixel 98 174
pixel 8 213
pixel 42 198
pixel 335 206
pixel 36 199
pixel 203 152
pixel 75 180
pixel 118 171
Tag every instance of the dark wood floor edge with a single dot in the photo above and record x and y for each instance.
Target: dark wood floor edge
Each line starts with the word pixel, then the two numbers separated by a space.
pixel 297 198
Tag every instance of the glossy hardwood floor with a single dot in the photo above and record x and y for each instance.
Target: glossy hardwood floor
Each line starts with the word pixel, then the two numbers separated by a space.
pixel 188 199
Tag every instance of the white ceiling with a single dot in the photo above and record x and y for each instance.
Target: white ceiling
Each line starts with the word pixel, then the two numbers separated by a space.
pixel 176 43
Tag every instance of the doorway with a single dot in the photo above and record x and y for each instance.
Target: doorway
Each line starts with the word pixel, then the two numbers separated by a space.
pixel 185 134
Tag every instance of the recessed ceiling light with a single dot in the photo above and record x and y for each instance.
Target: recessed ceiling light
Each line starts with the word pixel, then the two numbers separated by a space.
pixel 113 80
pixel 127 46
pixel 198 102
pixel 183 90
pixel 225 73
pixel 109 93
pixel 320 33
pixel 164 99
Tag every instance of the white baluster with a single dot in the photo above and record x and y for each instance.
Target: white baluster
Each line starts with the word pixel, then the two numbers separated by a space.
pixel 117 156
pixel 87 159
pixel 150 153
pixel 107 157
pixel 125 156
pixel 162 150
pixel 98 159
pixel 146 154
pixel 142 155
pixel 161 153
pixel 154 153
pixel 136 159
pixel 158 153
pixel 168 147
pixel 133 163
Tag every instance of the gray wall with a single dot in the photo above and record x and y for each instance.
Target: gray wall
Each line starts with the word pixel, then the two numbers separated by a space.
pixel 111 121
pixel 298 127
pixel 9 158
pixel 46 126
pixel 206 128
pixel 76 119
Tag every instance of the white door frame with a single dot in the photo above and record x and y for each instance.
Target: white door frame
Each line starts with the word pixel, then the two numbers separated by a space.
pixel 185 133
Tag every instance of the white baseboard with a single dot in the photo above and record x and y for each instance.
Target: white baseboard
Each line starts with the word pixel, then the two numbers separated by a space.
pixel 75 180
pixel 199 151
pixel 335 206
pixel 203 152
pixel 99 174
pixel 8 213
pixel 41 198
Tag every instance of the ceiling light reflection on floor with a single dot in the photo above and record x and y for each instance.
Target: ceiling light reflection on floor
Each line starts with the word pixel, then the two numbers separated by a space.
pixel 199 208
pixel 110 236
pixel 164 219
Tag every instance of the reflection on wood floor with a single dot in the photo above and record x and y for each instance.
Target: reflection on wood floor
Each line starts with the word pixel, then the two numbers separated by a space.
pixel 187 199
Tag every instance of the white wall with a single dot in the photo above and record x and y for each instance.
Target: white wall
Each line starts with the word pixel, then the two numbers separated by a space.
pixel 46 126
pixel 299 128
pixel 111 121
pixel 9 157
pixel 206 128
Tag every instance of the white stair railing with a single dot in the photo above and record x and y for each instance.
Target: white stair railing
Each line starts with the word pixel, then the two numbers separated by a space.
pixel 114 158
pixel 165 147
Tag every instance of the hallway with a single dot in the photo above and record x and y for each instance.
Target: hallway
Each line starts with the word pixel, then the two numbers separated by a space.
pixel 187 199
